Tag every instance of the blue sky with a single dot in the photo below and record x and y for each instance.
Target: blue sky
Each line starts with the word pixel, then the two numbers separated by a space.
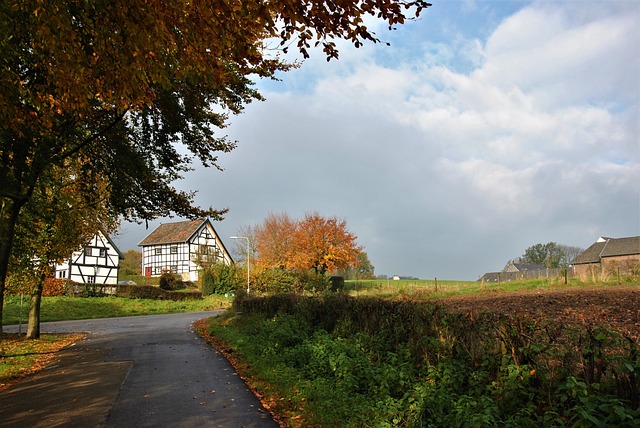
pixel 485 128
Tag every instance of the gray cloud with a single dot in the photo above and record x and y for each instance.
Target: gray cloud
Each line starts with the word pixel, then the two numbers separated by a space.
pixel 445 173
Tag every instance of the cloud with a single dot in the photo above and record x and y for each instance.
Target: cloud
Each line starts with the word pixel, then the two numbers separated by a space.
pixel 449 158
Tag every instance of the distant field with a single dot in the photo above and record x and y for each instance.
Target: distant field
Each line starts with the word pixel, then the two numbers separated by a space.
pixel 432 289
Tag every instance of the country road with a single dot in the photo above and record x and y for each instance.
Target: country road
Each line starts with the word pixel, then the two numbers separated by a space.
pixel 146 371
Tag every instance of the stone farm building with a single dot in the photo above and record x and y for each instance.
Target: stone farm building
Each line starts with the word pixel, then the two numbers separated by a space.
pixel 176 247
pixel 97 262
pixel 609 257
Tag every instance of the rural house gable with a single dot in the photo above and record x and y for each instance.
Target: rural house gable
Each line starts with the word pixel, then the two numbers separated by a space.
pixel 175 247
pixel 97 262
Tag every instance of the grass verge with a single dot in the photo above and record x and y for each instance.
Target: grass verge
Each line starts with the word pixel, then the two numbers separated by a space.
pixel 20 357
pixel 74 308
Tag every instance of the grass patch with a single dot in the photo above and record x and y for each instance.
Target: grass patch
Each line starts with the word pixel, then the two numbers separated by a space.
pixel 438 289
pixel 20 357
pixel 74 308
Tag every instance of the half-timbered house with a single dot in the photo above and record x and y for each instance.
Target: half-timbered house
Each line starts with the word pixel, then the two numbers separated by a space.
pixel 97 262
pixel 179 247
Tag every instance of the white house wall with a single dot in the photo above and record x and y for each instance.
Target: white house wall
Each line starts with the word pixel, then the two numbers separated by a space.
pixel 165 257
pixel 180 258
pixel 97 262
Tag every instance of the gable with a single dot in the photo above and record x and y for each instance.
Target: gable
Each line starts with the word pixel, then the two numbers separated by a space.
pixel 184 232
pixel 609 247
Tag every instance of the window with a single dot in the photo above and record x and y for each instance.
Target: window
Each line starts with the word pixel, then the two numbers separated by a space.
pixel 173 268
pixel 173 249
pixel 62 274
pixel 157 270
pixel 95 252
pixel 158 251
pixel 91 280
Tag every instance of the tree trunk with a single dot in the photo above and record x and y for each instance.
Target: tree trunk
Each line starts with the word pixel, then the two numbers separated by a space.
pixel 9 210
pixel 33 326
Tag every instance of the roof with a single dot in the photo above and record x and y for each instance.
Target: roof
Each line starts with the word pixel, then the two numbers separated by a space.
pixel 609 247
pixel 514 266
pixel 173 233
pixel 114 246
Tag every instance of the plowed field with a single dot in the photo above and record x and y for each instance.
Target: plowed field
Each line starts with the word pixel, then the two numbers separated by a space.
pixel 614 306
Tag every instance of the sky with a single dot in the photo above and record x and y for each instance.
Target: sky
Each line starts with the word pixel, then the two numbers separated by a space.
pixel 484 128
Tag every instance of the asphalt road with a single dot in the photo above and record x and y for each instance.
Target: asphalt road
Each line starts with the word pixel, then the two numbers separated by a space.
pixel 147 371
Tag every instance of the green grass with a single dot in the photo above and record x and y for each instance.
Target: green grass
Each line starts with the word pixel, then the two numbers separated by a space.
pixel 74 308
pixel 141 279
pixel 432 289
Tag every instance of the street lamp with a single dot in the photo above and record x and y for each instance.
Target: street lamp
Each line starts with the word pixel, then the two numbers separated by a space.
pixel 244 237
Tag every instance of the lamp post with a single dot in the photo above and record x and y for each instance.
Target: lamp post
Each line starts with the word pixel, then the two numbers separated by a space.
pixel 248 249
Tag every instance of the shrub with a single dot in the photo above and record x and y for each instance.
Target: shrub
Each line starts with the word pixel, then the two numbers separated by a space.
pixel 169 281
pixel 219 278
pixel 275 281
pixel 53 287
pixel 151 292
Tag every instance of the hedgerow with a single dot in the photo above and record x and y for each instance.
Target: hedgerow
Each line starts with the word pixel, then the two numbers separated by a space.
pixel 334 360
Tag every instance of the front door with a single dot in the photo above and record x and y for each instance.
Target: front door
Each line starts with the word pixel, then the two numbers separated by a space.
pixel 147 271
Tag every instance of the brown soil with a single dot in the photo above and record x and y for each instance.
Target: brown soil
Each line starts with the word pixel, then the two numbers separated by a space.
pixel 614 306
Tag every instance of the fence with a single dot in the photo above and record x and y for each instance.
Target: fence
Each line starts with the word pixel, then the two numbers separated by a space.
pixel 527 274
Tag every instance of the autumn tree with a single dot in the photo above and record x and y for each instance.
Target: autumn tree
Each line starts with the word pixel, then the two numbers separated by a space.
pixel 314 243
pixel 129 88
pixel 323 244
pixel 274 242
pixel 57 220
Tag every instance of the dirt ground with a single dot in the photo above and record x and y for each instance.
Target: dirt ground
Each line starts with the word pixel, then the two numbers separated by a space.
pixel 615 306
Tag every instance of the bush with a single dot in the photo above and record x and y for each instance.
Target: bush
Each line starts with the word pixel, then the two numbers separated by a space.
pixel 220 278
pixel 156 293
pixel 273 281
pixel 54 287
pixel 170 282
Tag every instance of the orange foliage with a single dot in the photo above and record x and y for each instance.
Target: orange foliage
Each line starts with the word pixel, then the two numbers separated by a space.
pixel 53 287
pixel 274 242
pixel 313 243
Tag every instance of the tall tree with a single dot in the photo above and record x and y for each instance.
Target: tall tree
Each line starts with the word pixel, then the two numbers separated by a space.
pixel 119 86
pixel 274 242
pixel 314 243
pixel 568 254
pixel 323 244
pixel 361 269
pixel 550 255
pixel 56 221
pixel 239 246
pixel 132 263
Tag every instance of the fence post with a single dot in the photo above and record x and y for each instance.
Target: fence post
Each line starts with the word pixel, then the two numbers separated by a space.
pixel 436 282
